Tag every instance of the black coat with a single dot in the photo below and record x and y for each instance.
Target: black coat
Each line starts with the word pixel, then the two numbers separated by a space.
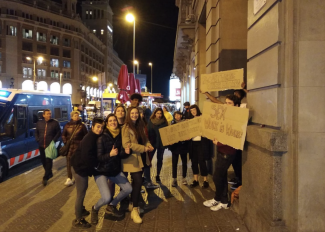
pixel 154 135
pixel 180 147
pixel 84 160
pixel 107 165
pixel 206 148
pixel 47 131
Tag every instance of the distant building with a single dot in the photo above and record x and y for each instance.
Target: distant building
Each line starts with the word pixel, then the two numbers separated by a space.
pixel 73 48
pixel 143 81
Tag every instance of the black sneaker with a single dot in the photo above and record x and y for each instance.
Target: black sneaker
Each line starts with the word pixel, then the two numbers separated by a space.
pixel 51 175
pixel 233 181
pixel 205 184
pixel 85 212
pixel 94 216
pixel 194 184
pixel 82 223
pixel 111 210
pixel 158 179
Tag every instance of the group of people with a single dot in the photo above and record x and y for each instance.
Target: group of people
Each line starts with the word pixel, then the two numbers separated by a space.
pixel 125 143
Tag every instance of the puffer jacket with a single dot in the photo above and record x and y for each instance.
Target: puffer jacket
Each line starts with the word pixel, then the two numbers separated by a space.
pixel 180 147
pixel 80 133
pixel 47 131
pixel 107 165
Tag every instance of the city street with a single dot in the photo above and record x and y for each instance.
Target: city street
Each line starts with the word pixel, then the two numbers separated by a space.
pixel 26 205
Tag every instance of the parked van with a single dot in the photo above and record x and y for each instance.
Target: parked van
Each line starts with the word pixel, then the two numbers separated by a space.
pixel 19 112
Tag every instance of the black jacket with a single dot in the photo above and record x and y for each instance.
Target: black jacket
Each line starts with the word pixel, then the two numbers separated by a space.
pixel 47 131
pixel 180 147
pixel 186 114
pixel 154 135
pixel 84 160
pixel 107 165
pixel 206 148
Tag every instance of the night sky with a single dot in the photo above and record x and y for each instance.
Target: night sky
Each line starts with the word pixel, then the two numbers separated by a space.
pixel 156 24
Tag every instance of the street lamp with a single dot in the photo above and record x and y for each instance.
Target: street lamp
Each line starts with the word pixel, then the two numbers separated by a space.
pixel 130 18
pixel 137 63
pixel 60 81
pixel 40 59
pixel 150 64
pixel 12 80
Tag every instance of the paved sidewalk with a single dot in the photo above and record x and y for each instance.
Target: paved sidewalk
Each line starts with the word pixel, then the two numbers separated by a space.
pixel 26 205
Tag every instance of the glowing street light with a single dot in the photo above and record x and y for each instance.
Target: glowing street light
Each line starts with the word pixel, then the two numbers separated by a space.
pixel 95 78
pixel 137 63
pixel 130 18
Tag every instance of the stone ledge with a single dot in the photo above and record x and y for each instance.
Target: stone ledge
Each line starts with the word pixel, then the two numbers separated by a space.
pixel 269 139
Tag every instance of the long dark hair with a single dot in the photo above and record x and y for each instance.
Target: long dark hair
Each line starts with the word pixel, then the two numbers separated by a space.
pixel 111 115
pixel 137 127
pixel 198 112
pixel 153 116
pixel 233 98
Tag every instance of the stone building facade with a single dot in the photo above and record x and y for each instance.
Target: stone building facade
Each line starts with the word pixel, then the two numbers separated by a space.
pixel 280 45
pixel 74 49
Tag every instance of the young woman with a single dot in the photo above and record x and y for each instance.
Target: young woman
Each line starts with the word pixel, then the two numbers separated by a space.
pixel 168 115
pixel 157 121
pixel 83 163
pixel 120 113
pixel 225 156
pixel 197 155
pixel 76 131
pixel 109 153
pixel 179 149
pixel 133 136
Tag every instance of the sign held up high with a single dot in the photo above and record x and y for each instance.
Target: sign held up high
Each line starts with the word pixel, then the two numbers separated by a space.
pixel 218 81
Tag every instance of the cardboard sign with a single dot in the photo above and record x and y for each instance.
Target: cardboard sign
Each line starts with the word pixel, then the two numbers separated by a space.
pixel 222 80
pixel 227 124
pixel 181 131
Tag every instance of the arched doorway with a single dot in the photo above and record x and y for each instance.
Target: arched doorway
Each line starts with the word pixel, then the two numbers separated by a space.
pixel 42 85
pixel 67 88
pixel 55 87
pixel 27 85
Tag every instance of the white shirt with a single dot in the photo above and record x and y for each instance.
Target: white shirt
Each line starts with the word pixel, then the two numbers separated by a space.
pixel 196 138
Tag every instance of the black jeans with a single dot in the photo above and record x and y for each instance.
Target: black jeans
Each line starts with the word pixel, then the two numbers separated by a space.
pixel 198 159
pixel 237 164
pixel 220 176
pixel 47 163
pixel 69 166
pixel 81 186
pixel 160 157
pixel 175 161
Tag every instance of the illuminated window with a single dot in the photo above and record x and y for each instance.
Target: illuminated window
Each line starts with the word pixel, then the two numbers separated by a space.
pixel 94 31
pixel 27 72
pixel 11 30
pixel 27 34
pixel 41 36
pixel 55 63
pixel 102 32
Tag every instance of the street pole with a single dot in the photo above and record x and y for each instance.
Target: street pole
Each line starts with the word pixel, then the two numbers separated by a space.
pixel 101 101
pixel 133 47
pixel 151 79
pixel 34 79
pixel 60 81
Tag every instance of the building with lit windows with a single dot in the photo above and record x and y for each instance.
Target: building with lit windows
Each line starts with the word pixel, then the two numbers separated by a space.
pixel 65 49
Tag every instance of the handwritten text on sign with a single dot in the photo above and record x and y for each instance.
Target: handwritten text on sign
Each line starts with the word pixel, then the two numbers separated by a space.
pixel 225 123
pixel 181 131
pixel 222 80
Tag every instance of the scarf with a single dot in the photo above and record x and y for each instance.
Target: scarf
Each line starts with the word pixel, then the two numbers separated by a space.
pixel 114 132
pixel 157 121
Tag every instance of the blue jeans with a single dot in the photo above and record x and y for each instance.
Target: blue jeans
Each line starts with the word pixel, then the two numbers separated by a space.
pixel 102 184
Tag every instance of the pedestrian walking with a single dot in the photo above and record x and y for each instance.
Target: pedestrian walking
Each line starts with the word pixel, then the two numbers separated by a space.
pixel 133 136
pixel 168 115
pixel 83 163
pixel 74 131
pixel 157 121
pixel 197 155
pixel 109 154
pixel 47 130
pixel 179 149
pixel 225 157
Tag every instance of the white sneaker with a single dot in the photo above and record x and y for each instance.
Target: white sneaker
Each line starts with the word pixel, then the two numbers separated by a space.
pixel 69 182
pixel 210 203
pixel 219 206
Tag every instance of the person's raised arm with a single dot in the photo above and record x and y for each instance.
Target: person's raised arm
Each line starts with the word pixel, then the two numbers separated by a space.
pixel 212 98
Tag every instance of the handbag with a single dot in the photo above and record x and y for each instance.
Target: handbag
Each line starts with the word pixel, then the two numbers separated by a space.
pixel 51 152
pixel 65 149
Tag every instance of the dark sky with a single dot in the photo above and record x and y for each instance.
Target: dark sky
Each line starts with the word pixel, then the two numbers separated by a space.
pixel 156 23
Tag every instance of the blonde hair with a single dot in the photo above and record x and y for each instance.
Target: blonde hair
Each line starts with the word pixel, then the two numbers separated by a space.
pixel 73 113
